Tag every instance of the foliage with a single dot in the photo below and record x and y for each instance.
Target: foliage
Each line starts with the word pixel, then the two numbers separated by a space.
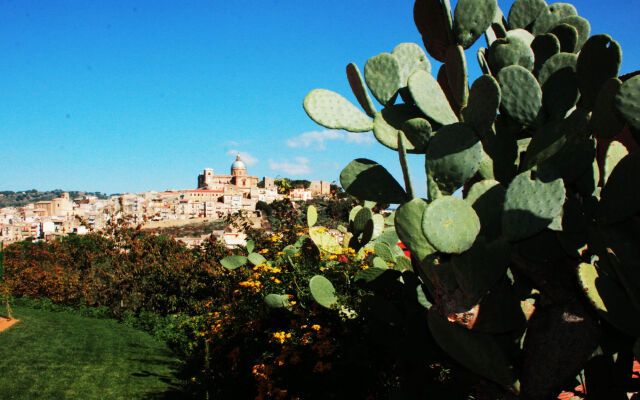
pixel 17 199
pixel 544 241
pixel 126 271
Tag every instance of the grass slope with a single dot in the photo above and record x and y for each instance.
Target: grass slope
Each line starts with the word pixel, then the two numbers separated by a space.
pixel 56 356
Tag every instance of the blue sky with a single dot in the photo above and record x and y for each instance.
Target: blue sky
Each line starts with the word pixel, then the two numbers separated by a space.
pixel 122 96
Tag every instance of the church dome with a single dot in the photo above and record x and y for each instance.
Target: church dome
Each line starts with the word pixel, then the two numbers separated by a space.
pixel 238 164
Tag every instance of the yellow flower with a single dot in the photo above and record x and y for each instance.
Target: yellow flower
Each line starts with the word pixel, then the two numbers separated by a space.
pixel 315 327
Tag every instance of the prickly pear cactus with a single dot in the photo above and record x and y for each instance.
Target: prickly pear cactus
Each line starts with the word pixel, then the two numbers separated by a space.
pixel 546 234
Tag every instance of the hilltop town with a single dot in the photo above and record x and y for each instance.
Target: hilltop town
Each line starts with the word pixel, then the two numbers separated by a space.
pixel 215 197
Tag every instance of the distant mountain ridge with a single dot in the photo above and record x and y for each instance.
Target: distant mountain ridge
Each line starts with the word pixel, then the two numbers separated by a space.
pixel 21 198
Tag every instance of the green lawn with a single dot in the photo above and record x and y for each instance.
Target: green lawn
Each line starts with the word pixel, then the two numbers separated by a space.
pixel 50 355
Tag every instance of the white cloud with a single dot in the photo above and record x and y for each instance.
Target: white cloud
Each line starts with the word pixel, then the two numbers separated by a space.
pixel 317 138
pixel 297 168
pixel 247 158
pixel 231 143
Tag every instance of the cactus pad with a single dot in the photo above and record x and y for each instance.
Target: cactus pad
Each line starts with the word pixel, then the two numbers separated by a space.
pixel 531 204
pixel 482 107
pixel 557 63
pixel 429 97
pixel 521 94
pixel 559 90
pixel 277 301
pixel 312 216
pixel 390 120
pixel 471 18
pixel 333 111
pixel 256 258
pixel 480 352
pixel 356 81
pixel 478 269
pixel 408 222
pixel 487 199
pixel 233 262
pixel 360 220
pixel 411 58
pixel 368 180
pixel 544 46
pixel 453 156
pixel 433 25
pixel 627 102
pixel 598 61
pixel 481 56
pixel 609 299
pixel 457 75
pixel 582 26
pixel 511 50
pixel 567 35
pixel 524 12
pixel 551 15
pixel 604 122
pixel 620 198
pixel 383 76
pixel 418 133
pixel 615 152
pixel 450 224
pixel 324 240
pixel 322 291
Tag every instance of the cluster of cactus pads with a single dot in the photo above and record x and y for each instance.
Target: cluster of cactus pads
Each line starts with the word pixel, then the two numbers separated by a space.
pixel 534 269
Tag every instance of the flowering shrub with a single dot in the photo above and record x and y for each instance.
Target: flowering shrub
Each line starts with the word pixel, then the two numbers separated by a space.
pixel 257 327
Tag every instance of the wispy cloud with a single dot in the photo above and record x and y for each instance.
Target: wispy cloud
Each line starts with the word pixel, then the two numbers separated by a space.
pixel 297 168
pixel 231 143
pixel 247 158
pixel 317 138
